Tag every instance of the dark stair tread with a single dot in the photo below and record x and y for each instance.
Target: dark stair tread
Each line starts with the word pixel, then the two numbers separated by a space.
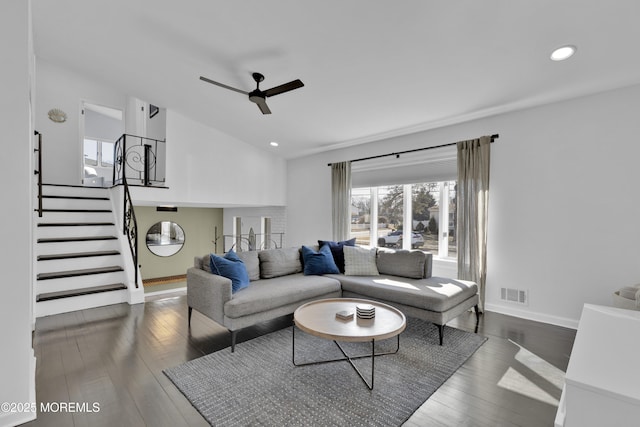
pixel 77 255
pixel 75 197
pixel 75 239
pixel 73 224
pixel 74 186
pixel 76 210
pixel 74 273
pixel 79 292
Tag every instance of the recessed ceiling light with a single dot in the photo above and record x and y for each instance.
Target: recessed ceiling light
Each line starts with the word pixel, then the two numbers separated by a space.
pixel 564 52
pixel 273 144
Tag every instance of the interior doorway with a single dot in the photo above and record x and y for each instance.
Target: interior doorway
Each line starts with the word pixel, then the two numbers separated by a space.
pixel 102 128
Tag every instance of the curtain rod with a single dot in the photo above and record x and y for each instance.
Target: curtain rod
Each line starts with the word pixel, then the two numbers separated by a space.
pixel 493 138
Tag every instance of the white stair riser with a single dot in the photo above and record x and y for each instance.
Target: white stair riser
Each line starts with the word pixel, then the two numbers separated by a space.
pixel 79 282
pixel 49 217
pixel 54 190
pixel 72 247
pixel 65 305
pixel 50 266
pixel 76 231
pixel 75 204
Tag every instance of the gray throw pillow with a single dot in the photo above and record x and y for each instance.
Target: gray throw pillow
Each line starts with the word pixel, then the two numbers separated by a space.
pixel 279 262
pixel 360 261
pixel 408 264
pixel 205 263
pixel 252 263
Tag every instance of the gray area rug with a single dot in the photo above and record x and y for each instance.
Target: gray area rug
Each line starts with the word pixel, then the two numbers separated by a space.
pixel 259 386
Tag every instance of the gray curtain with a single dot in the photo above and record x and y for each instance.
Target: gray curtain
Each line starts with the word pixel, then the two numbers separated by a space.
pixel 341 199
pixel 473 206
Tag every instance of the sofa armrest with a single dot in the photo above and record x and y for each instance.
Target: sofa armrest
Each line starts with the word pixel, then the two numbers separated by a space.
pixel 208 293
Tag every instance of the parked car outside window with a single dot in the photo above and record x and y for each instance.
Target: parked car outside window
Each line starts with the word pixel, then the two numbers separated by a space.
pixel 394 240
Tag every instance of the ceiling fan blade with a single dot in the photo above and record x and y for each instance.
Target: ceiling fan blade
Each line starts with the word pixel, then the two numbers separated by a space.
pixel 262 105
pixel 204 79
pixel 295 84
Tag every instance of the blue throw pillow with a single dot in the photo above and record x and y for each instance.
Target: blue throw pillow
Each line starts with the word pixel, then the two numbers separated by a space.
pixel 231 267
pixel 336 250
pixel 320 262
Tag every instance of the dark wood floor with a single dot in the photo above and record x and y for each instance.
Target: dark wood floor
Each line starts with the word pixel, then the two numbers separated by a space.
pixel 115 355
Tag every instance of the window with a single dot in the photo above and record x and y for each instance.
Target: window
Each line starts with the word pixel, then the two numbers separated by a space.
pixel 361 215
pixel 106 153
pixel 98 152
pixel 91 152
pixel 429 208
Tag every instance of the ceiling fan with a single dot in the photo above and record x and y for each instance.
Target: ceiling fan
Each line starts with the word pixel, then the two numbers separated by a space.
pixel 258 96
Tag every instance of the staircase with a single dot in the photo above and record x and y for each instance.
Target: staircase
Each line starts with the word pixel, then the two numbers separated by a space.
pixel 81 257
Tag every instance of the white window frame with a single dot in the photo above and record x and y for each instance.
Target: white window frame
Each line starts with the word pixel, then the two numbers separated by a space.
pixel 443 218
pixel 99 148
pixel 102 142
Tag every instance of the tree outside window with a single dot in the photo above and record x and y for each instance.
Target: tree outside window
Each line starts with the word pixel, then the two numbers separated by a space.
pixel 433 216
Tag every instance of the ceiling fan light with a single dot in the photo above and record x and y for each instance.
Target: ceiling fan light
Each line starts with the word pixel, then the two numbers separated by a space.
pixel 563 52
pixel 273 144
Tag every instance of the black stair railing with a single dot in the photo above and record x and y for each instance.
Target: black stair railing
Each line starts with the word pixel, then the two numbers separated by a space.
pixel 140 159
pixel 129 221
pixel 39 171
pixel 130 227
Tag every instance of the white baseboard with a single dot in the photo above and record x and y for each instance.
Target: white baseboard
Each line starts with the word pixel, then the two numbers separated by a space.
pixel 166 291
pixel 532 315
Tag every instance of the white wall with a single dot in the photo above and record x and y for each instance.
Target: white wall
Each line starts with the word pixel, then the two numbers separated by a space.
pixel 17 367
pixel 98 125
pixel 563 220
pixel 206 167
pixel 156 127
pixel 62 88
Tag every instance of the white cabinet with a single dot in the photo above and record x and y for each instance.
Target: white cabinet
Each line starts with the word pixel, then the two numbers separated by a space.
pixel 602 384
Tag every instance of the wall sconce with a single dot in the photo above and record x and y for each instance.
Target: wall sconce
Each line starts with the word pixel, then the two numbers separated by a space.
pixel 56 115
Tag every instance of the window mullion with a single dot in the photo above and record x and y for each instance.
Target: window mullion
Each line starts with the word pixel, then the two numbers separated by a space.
pixel 407 217
pixel 373 217
pixel 443 229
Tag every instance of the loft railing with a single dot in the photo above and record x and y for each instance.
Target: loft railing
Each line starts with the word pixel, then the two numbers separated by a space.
pixel 141 160
pixel 250 241
pixel 39 171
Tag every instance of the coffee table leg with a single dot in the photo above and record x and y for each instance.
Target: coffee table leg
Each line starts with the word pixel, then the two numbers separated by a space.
pixel 346 357
pixel 351 359
pixel 373 361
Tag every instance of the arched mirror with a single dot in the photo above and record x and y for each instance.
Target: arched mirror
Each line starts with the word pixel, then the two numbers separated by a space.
pixel 165 238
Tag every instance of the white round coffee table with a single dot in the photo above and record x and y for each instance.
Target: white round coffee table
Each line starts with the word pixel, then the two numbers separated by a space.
pixel 319 318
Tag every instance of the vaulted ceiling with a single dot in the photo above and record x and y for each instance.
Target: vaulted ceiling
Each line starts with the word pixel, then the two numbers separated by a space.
pixel 371 68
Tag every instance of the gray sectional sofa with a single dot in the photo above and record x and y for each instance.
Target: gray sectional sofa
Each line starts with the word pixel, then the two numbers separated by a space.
pixel 278 286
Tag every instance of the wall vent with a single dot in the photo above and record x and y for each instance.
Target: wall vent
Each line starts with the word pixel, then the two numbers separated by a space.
pixel 519 296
